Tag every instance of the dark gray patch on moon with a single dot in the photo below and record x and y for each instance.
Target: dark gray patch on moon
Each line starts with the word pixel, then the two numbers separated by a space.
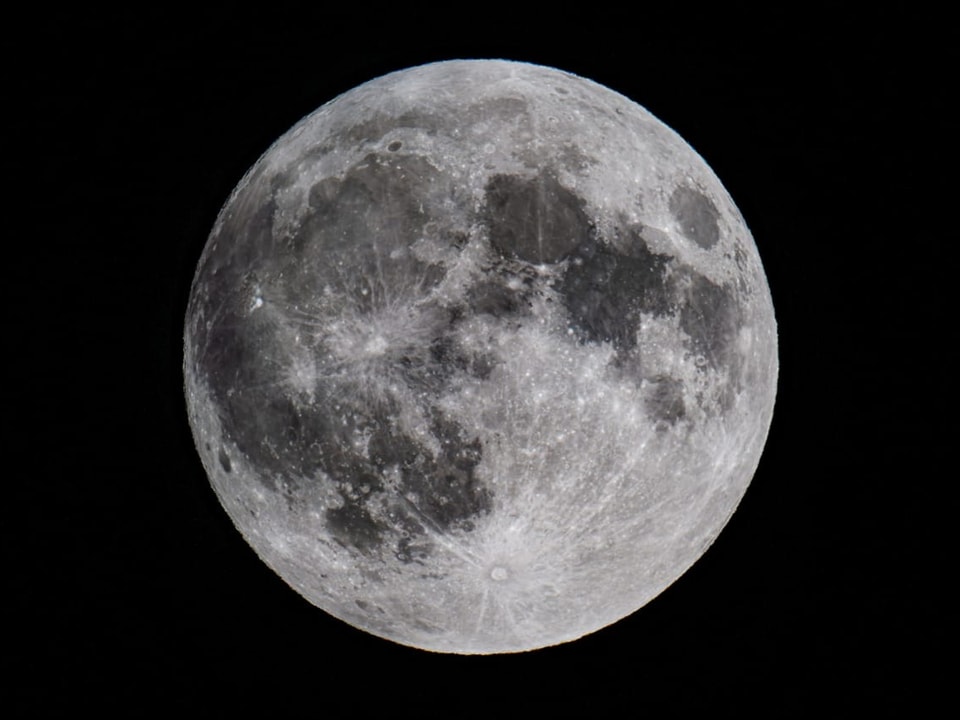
pixel 361 219
pixel 444 488
pixel 664 402
pixel 372 130
pixel 439 491
pixel 508 292
pixel 494 298
pixel 243 379
pixel 605 290
pixel 536 220
pixel 353 526
pixel 358 220
pixel 696 215
pixel 447 357
pixel 710 316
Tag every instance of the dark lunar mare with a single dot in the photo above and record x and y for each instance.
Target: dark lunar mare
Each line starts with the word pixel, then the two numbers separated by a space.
pixel 665 400
pixel 536 220
pixel 355 224
pixel 346 243
pixel 435 492
pixel 609 282
pixel 711 315
pixel 605 290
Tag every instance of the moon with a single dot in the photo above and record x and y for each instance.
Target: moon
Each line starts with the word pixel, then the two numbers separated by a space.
pixel 480 357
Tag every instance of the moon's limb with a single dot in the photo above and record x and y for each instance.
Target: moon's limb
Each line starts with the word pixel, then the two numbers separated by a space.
pixel 480 357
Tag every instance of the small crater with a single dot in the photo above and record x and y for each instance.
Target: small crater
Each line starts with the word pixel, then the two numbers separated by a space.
pixel 740 257
pixel 394 146
pixel 499 573
pixel 410 552
pixel 225 461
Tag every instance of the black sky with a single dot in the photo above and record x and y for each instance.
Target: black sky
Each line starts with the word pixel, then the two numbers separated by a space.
pixel 129 588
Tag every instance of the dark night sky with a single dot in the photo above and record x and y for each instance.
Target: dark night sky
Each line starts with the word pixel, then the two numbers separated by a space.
pixel 129 586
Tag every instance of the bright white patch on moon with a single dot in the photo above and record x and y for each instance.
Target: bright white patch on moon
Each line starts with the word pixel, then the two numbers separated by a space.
pixel 480 357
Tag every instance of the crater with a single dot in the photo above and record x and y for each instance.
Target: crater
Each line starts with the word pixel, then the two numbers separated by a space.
pixel 696 215
pixel 224 461
pixel 409 551
pixel 499 573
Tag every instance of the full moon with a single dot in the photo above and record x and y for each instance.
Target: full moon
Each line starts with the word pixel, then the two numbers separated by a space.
pixel 480 357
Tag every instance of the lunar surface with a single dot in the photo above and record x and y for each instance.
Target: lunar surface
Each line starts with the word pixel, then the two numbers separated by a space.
pixel 480 357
